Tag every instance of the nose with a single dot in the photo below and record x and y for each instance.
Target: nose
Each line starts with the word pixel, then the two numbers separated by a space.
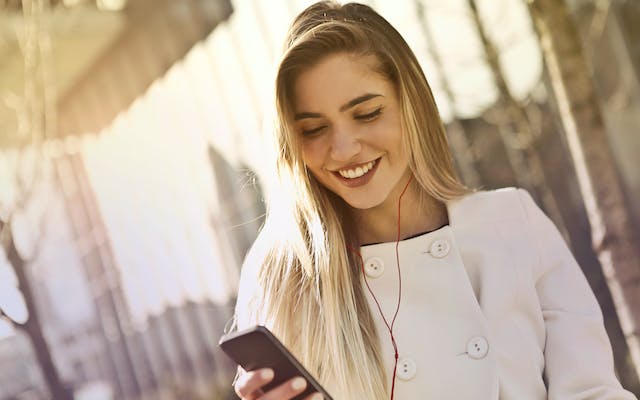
pixel 344 145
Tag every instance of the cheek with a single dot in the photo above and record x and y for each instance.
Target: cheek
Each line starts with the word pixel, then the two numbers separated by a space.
pixel 393 138
pixel 312 153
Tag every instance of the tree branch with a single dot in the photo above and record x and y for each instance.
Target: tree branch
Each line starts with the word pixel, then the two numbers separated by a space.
pixel 4 315
pixel 5 227
pixel 10 320
pixel 43 228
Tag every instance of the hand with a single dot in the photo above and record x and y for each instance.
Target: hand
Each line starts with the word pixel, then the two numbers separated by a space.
pixel 249 387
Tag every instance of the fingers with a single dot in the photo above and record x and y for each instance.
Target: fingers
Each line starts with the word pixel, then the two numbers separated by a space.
pixel 248 385
pixel 287 390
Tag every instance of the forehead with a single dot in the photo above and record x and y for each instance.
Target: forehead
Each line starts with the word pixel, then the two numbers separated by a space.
pixel 337 79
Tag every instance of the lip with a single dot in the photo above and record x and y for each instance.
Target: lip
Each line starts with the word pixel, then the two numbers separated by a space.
pixel 359 181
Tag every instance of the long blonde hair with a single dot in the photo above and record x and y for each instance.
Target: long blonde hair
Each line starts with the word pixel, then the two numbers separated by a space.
pixel 308 288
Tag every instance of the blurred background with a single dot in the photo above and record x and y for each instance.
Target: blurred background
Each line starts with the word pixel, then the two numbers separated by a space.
pixel 135 167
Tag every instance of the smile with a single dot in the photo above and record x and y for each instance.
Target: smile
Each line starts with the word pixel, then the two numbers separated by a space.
pixel 358 176
pixel 357 172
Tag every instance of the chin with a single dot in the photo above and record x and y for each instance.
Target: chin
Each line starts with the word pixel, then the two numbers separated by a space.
pixel 361 203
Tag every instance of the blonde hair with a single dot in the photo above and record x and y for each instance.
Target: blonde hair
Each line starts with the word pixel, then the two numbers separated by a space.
pixel 309 290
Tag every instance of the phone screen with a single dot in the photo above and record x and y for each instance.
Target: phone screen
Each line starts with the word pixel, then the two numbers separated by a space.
pixel 257 347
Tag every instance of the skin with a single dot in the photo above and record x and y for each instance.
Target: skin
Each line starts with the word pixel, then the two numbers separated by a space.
pixel 348 114
pixel 248 387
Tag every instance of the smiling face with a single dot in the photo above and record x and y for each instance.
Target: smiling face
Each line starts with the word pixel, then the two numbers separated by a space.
pixel 348 118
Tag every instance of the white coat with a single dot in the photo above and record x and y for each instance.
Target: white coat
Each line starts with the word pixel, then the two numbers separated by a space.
pixel 494 306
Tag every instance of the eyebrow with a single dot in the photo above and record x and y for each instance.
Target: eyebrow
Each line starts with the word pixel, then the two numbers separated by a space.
pixel 343 108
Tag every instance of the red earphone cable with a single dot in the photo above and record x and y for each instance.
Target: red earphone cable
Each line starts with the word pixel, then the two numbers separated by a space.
pixel 389 326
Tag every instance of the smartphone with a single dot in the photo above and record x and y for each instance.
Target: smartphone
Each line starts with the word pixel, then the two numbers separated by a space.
pixel 257 347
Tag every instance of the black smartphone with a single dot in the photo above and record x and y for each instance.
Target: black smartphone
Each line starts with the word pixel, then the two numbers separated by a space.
pixel 257 347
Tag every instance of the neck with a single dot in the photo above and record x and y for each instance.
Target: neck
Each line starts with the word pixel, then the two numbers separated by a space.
pixel 380 224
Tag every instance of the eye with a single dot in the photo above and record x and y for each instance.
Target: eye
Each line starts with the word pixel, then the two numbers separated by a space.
pixel 370 116
pixel 311 132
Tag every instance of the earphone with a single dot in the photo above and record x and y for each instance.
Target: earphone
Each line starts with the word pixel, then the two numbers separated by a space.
pixel 389 326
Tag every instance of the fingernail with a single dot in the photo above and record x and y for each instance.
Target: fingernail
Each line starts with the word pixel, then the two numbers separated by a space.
pixel 298 383
pixel 266 374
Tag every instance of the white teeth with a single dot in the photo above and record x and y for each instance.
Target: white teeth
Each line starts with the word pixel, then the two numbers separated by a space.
pixel 358 172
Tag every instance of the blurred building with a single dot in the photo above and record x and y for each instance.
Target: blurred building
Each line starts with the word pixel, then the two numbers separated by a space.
pixel 106 55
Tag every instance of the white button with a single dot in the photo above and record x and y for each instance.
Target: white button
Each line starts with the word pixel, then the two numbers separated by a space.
pixel 440 248
pixel 477 347
pixel 406 369
pixel 373 267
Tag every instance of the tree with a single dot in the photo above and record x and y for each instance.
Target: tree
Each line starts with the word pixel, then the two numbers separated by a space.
pixel 515 128
pixel 36 111
pixel 600 185
pixel 463 152
pixel 32 327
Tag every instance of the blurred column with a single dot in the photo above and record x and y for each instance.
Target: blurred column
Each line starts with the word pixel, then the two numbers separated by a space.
pixel 99 265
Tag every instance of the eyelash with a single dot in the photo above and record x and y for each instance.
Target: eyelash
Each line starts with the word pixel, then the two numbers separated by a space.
pixel 364 118
pixel 309 132
pixel 369 117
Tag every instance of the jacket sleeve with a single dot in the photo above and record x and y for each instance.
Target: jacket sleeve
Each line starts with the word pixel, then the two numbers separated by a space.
pixel 578 356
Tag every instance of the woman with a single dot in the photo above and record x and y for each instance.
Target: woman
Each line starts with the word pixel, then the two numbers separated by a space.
pixel 379 270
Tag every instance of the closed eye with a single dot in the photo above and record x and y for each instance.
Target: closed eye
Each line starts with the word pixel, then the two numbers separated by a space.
pixel 310 132
pixel 369 117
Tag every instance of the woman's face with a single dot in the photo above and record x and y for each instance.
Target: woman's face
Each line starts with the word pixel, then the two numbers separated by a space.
pixel 348 118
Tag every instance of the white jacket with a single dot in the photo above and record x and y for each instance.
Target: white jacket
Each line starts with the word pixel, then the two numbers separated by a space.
pixel 494 306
